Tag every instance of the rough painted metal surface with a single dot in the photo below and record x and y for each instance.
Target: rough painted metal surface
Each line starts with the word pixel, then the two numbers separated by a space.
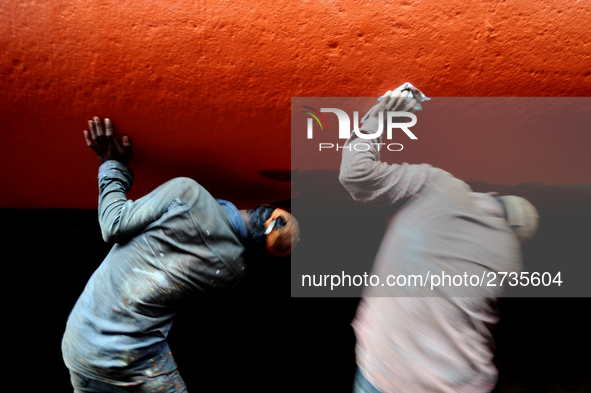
pixel 203 88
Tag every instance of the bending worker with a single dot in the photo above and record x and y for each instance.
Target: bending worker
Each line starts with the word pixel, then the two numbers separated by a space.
pixel 174 242
pixel 417 338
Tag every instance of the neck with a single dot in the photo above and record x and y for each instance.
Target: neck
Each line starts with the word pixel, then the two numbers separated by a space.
pixel 246 217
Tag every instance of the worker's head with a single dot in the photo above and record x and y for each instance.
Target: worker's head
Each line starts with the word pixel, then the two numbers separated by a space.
pixel 273 231
pixel 522 216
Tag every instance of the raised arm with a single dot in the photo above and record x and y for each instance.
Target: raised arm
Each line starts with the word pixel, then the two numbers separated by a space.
pixel 121 219
pixel 367 178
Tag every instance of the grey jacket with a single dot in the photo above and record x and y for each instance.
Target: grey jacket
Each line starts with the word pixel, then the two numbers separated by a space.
pixel 411 338
pixel 170 244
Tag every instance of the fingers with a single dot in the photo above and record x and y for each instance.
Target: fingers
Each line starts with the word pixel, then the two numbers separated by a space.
pixel 93 135
pixel 124 151
pixel 108 128
pixel 394 97
pixel 126 145
pixel 100 134
pixel 96 133
pixel 89 142
pixel 92 130
pixel 87 138
pixel 384 102
pixel 401 99
pixel 410 106
pixel 393 100
pixel 397 99
pixel 382 105
pixel 109 134
pixel 104 143
pixel 99 127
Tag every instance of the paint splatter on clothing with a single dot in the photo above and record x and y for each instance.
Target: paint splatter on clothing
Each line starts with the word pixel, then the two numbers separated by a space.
pixel 174 242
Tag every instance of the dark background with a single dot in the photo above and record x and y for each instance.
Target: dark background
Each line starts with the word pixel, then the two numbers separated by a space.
pixel 255 337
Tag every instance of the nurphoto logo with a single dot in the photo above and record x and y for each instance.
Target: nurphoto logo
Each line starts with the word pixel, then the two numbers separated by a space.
pixel 345 127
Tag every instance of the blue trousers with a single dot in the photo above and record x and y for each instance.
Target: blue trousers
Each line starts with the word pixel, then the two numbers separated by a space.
pixel 168 383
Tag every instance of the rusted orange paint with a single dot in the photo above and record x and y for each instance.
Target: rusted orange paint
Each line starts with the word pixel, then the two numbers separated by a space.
pixel 203 87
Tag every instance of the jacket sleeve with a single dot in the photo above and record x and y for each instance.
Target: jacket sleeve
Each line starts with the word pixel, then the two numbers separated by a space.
pixel 121 218
pixel 369 180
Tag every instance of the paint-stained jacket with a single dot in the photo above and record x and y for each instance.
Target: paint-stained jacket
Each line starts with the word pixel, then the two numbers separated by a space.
pixel 414 338
pixel 171 243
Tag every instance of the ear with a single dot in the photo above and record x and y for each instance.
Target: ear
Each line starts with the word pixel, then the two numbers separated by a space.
pixel 270 226
pixel 276 214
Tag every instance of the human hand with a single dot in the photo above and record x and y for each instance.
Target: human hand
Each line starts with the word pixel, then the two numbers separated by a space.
pixel 105 144
pixel 393 101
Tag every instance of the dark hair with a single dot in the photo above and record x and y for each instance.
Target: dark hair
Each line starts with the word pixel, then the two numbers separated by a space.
pixel 257 240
